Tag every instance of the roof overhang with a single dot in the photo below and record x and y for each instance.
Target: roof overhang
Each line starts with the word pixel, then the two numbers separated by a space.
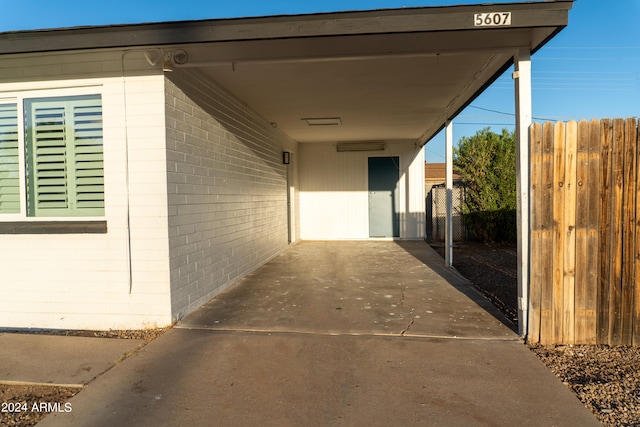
pixel 388 75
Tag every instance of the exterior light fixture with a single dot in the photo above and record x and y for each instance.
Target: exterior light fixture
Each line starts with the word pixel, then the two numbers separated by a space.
pixel 286 157
pixel 167 61
pixel 180 57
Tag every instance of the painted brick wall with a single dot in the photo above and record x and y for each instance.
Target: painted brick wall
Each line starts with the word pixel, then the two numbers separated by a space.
pixel 82 281
pixel 226 188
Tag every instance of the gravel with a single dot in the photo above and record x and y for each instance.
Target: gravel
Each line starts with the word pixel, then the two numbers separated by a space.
pixel 20 401
pixel 606 379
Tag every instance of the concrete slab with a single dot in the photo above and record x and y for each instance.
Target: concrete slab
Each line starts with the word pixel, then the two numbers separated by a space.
pixel 203 377
pixel 357 287
pixel 335 333
pixel 52 359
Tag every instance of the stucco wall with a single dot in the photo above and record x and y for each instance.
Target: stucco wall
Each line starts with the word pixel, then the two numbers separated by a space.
pixel 227 189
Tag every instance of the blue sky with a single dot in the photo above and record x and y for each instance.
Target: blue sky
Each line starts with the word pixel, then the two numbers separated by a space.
pixel 590 70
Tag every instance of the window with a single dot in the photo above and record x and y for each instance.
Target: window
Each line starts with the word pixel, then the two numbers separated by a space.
pixel 62 155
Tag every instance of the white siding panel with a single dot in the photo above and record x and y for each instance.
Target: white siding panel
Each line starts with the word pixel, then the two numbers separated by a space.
pixel 333 193
pixel 334 202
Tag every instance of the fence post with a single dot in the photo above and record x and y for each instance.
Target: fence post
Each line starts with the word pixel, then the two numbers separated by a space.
pixel 448 241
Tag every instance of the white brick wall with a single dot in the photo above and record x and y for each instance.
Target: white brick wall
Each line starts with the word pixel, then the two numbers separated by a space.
pixel 226 188
pixel 81 281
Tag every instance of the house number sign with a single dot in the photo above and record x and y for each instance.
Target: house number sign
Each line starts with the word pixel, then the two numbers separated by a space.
pixel 492 19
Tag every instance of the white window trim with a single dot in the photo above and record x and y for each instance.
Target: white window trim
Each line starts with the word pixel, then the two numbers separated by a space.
pixel 18 97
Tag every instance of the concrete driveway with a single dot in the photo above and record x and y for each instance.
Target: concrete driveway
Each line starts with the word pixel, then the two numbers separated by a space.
pixel 365 333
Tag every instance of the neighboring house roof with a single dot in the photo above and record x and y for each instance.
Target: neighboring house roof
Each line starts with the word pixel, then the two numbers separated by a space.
pixel 437 172
pixel 383 75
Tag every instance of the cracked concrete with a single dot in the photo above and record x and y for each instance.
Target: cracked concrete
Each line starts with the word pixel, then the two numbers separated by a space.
pixel 411 311
pixel 349 287
pixel 294 345
pixel 404 331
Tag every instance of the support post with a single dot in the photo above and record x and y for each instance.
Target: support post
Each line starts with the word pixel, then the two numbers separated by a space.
pixel 448 240
pixel 522 78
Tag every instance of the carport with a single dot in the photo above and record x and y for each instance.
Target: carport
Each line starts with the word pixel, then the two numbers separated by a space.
pixel 378 82
pixel 342 95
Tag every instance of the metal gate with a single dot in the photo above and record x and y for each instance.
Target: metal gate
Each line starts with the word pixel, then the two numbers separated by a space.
pixel 437 213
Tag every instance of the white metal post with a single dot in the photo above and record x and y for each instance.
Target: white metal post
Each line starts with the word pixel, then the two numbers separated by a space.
pixel 448 241
pixel 522 77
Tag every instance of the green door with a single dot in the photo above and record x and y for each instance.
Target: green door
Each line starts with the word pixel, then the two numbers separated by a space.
pixel 383 197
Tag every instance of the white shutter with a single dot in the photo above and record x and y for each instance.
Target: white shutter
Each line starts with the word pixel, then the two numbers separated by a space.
pixel 89 165
pixel 64 150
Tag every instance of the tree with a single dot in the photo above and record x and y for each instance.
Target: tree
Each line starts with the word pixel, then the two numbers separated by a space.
pixel 487 165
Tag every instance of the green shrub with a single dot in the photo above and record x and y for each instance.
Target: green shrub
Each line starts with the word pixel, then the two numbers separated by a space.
pixel 487 164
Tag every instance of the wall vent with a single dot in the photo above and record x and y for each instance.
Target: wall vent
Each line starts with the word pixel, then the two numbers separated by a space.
pixel 360 146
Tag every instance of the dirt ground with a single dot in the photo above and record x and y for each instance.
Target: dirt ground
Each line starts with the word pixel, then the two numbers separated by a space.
pixel 493 270
pixel 605 379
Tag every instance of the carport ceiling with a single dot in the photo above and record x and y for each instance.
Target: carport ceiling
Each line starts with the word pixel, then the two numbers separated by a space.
pixel 394 75
pixel 387 97
pixel 388 75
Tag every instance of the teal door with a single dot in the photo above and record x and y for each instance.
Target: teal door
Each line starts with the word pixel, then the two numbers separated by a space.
pixel 383 197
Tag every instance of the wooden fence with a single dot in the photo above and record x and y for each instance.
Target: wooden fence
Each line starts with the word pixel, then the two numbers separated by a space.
pixel 585 233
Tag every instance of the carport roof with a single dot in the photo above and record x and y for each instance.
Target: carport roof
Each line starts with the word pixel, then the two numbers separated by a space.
pixel 387 75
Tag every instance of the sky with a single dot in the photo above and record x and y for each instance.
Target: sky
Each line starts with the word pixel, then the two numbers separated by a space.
pixel 590 70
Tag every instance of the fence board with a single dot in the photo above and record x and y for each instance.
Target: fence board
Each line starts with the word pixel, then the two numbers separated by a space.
pixel 606 138
pixel 628 230
pixel 582 220
pixel 615 267
pixel 593 229
pixel 569 230
pixel 536 224
pixel 636 252
pixel 547 237
pixel 558 232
